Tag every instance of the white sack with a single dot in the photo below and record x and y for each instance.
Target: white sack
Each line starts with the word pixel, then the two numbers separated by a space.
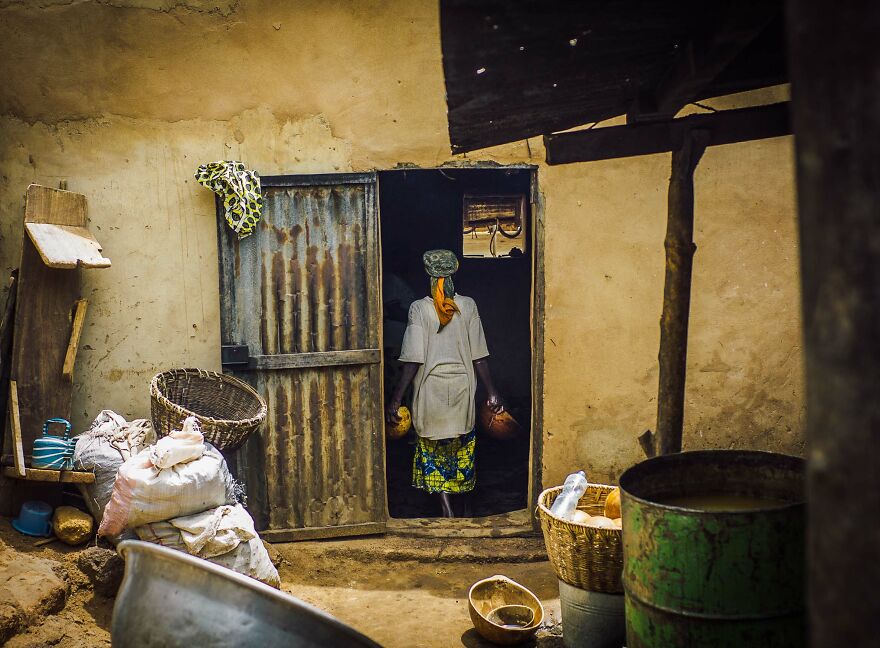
pixel 180 446
pixel 144 493
pixel 215 532
pixel 249 557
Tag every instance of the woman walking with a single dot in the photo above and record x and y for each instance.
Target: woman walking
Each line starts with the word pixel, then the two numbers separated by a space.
pixel 443 353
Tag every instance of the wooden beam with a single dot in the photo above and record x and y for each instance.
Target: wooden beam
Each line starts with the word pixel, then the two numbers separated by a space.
pixel 706 56
pixel 79 319
pixel 724 127
pixel 680 250
pixel 7 319
pixel 15 429
pixel 317 359
pixel 646 441
pixel 834 58
pixel 46 475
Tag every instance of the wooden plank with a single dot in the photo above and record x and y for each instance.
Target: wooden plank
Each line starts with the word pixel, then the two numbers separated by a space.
pixel 15 429
pixel 65 246
pixel 711 50
pixel 318 533
pixel 7 322
pixel 724 127
pixel 680 250
pixel 79 319
pixel 58 476
pixel 42 333
pixel 538 309
pixel 315 359
pixel 47 205
pixel 317 179
pixel 834 58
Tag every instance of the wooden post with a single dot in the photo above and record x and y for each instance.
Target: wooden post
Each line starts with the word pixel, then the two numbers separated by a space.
pixel 834 60
pixel 680 250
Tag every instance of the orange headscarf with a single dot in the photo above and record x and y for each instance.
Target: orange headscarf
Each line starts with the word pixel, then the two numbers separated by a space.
pixel 445 306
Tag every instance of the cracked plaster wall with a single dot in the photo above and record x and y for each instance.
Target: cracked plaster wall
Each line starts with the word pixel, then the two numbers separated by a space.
pixel 124 99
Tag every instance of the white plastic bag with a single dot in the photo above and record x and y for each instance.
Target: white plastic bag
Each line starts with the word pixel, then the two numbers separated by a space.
pixel 180 446
pixel 144 493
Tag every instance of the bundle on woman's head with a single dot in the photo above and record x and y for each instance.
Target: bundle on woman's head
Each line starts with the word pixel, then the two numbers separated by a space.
pixel 440 266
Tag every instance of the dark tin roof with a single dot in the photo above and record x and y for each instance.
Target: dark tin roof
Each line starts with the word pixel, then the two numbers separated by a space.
pixel 521 68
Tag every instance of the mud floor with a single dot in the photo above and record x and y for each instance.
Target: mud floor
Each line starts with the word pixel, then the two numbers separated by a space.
pixel 401 592
pixel 84 622
pixel 412 593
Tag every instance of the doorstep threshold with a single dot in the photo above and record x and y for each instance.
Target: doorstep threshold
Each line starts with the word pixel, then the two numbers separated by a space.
pixel 516 524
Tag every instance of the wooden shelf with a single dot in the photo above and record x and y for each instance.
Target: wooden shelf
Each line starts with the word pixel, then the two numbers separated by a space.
pixel 66 246
pixel 58 476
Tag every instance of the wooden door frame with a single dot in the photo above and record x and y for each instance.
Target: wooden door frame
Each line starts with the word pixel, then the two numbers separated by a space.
pixel 521 522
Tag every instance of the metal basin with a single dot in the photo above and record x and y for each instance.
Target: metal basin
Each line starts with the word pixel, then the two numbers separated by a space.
pixel 169 599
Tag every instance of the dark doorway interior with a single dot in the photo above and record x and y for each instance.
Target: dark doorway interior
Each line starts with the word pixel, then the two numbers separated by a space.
pixel 421 210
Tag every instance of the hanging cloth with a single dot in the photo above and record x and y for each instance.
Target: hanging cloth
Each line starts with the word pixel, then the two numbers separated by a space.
pixel 440 266
pixel 239 188
pixel 443 300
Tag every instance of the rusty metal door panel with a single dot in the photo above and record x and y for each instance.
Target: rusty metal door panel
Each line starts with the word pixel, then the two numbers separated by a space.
pixel 302 295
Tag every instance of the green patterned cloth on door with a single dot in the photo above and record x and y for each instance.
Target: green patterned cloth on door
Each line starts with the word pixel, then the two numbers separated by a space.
pixel 239 188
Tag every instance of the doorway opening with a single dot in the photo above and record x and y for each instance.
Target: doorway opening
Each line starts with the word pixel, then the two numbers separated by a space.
pixel 484 216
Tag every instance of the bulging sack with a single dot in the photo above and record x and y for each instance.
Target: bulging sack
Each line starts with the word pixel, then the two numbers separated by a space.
pixel 144 493
pixel 109 442
pixel 224 536
pixel 179 446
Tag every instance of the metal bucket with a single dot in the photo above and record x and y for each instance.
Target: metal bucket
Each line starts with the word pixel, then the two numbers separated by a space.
pixel 714 578
pixel 171 599
pixel 591 619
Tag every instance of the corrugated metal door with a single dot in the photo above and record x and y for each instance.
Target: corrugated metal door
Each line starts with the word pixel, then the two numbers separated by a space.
pixel 302 295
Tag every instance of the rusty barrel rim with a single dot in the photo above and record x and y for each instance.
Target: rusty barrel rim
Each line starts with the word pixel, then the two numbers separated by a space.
pixel 797 464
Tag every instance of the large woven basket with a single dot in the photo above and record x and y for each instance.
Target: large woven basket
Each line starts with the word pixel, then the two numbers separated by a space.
pixel 581 555
pixel 227 409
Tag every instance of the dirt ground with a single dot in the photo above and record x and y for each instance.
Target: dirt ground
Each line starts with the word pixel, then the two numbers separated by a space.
pixel 413 593
pixel 85 620
pixel 401 592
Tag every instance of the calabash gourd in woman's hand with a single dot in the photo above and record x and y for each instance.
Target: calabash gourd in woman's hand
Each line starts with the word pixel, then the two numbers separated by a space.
pixel 501 426
pixel 398 430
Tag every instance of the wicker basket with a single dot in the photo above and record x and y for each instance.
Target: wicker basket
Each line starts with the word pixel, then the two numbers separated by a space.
pixel 228 410
pixel 581 555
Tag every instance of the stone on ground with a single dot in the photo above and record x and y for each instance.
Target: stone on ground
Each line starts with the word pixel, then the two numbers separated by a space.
pixel 29 590
pixel 71 525
pixel 103 567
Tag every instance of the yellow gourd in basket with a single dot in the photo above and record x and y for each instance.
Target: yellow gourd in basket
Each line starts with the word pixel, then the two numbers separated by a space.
pixel 399 430
pixel 612 504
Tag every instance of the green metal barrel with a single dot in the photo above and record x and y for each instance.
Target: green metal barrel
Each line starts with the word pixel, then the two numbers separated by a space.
pixel 714 578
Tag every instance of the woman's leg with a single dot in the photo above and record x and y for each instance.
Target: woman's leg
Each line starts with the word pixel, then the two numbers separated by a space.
pixel 446 503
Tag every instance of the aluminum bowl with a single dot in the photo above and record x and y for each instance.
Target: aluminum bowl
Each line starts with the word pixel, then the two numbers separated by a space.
pixel 170 599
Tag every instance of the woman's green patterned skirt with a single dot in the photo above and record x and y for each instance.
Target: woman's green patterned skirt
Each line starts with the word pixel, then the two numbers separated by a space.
pixel 445 466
